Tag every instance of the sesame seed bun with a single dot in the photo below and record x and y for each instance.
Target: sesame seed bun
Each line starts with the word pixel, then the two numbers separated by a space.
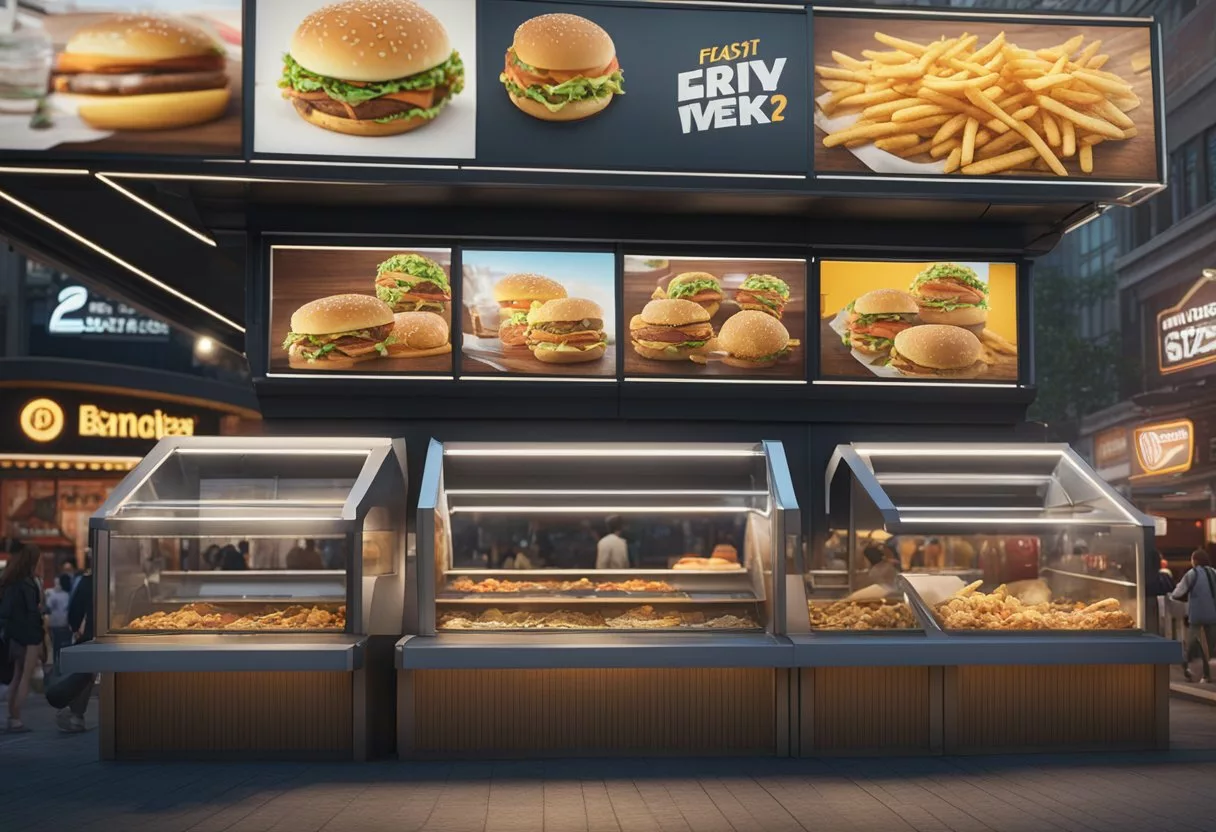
pixel 550 356
pixel 418 334
pixel 886 302
pixel 940 350
pixel 155 111
pixel 573 111
pixel 341 313
pixel 749 335
pixel 565 309
pixel 370 40
pixel 973 318
pixel 140 37
pixel 672 312
pixel 563 41
pixel 332 362
pixel 357 126
pixel 515 287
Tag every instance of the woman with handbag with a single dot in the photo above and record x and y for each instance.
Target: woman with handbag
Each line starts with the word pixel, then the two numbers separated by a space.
pixel 1198 589
pixel 21 626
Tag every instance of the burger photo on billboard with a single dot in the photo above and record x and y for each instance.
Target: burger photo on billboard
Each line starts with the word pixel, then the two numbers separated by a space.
pixel 143 72
pixel 413 283
pixel 699 287
pixel 515 295
pixel 339 331
pixel 763 293
pixel 937 351
pixel 673 329
pixel 753 340
pixel 371 68
pixel 418 335
pixel 876 317
pixel 561 67
pixel 949 293
pixel 567 331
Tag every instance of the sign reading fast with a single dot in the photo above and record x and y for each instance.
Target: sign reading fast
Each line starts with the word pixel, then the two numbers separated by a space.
pixel 733 86
pixel 1186 332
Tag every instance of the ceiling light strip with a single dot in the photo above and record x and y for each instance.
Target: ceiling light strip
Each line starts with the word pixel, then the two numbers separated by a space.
pixel 138 200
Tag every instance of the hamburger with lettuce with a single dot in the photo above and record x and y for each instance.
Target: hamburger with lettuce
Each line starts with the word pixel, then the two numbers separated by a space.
pixel 876 317
pixel 339 331
pixel 673 329
pixel 561 67
pixel 413 283
pixel 949 293
pixel 699 287
pixel 567 331
pixel 763 293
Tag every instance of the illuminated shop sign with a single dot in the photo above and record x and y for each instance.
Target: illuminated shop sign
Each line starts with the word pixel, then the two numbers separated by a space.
pixel 44 420
pixel 1165 448
pixel 79 313
pixel 1186 332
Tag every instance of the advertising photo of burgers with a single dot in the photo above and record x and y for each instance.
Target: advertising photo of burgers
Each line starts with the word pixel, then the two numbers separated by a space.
pixel 763 293
pixel 516 294
pixel 698 287
pixel 876 317
pixel 371 67
pixel 418 335
pixel 561 67
pixel 413 283
pixel 937 351
pixel 671 330
pixel 948 293
pixel 339 331
pixel 567 331
pixel 753 340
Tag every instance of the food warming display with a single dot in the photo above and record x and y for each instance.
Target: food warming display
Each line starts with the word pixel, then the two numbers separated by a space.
pixel 223 535
pixel 602 537
pixel 958 539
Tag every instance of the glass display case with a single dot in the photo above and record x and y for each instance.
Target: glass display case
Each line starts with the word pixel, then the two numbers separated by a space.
pixel 255 535
pixel 953 539
pixel 604 537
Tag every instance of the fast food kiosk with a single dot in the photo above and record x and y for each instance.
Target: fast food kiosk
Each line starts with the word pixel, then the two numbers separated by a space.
pixel 819 535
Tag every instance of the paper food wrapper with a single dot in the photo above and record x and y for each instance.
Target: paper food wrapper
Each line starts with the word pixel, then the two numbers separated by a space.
pixel 839 324
pixel 66 127
pixel 879 161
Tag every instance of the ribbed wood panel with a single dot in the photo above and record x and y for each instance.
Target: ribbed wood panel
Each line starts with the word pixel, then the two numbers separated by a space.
pixel 232 714
pixel 866 709
pixel 597 711
pixel 1056 706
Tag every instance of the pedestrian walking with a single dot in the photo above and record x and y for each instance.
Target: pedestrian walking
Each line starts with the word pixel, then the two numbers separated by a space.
pixel 1198 589
pixel 70 720
pixel 21 627
pixel 57 599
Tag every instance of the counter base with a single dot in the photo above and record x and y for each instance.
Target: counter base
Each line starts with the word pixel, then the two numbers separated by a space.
pixel 516 713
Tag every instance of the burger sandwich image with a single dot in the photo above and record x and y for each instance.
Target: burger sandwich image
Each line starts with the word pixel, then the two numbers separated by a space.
pixel 876 317
pixel 339 331
pixel 561 67
pixel 567 331
pixel 413 283
pixel 937 351
pixel 671 330
pixel 763 293
pixel 754 340
pixel 143 72
pixel 516 294
pixel 951 294
pixel 418 335
pixel 371 68
pixel 698 287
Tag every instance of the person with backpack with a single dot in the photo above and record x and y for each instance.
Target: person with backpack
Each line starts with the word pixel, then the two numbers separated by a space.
pixel 1198 589
pixel 21 627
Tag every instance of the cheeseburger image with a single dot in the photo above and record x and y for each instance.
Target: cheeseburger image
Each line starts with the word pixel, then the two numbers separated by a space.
pixel 143 72
pixel 418 335
pixel 763 293
pixel 948 293
pixel 753 340
pixel 937 351
pixel 671 330
pixel 413 283
pixel 561 67
pixel 876 317
pixel 337 332
pixel 699 287
pixel 515 295
pixel 371 68
pixel 567 331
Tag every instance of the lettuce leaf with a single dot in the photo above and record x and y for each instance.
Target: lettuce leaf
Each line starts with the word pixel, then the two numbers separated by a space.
pixel 450 73
pixel 424 269
pixel 556 96
pixel 693 287
pixel 949 304
pixel 866 320
pixel 766 283
pixel 950 271
pixel 518 318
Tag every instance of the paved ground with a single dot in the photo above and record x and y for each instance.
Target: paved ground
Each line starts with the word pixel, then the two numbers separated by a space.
pixel 54 781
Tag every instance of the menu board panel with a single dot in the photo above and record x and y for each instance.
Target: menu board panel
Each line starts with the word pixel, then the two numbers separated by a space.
pixel 366 78
pixel 936 322
pixel 642 87
pixel 142 78
pixel 715 318
pixel 898 96
pixel 539 313
pixel 366 311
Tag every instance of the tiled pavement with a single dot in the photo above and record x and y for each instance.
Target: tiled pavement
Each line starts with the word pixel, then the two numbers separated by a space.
pixel 54 781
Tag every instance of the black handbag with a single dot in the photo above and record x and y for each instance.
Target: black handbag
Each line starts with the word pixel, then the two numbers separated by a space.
pixel 62 688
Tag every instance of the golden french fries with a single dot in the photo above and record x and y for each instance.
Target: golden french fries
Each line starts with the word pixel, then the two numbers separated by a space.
pixel 982 107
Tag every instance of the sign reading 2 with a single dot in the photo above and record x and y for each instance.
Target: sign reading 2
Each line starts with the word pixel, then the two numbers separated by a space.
pixel 732 87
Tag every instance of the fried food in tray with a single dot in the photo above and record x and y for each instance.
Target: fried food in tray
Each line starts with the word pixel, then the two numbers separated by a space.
pixel 213 617
pixel 644 617
pixel 496 585
pixel 969 609
pixel 876 614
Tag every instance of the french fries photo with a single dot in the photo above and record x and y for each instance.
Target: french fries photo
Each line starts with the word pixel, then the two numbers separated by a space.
pixel 982 106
